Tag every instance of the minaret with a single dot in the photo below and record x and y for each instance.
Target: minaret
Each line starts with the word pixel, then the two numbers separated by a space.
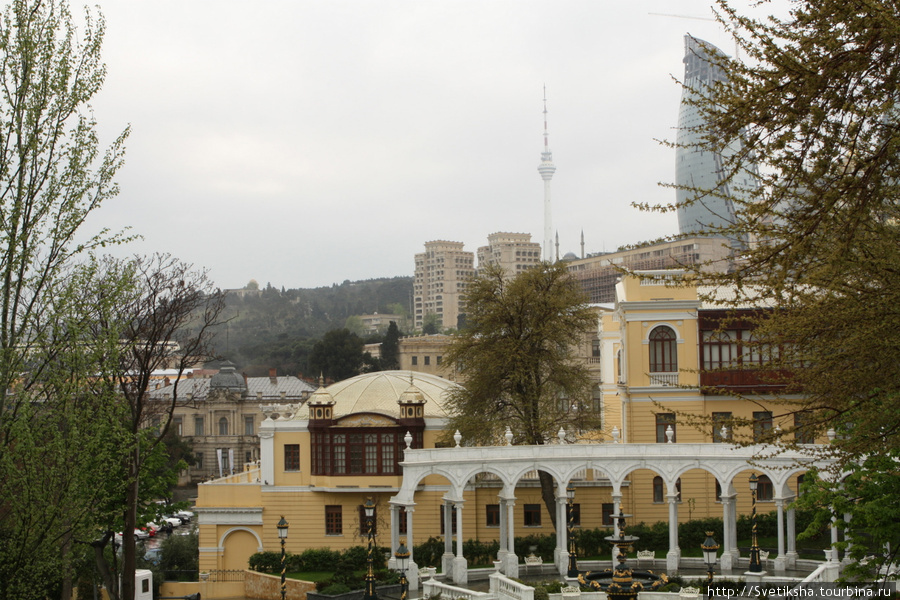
pixel 547 169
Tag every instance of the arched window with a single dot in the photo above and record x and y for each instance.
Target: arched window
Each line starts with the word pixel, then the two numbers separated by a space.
pixel 223 426
pixel 658 490
pixel 658 495
pixel 663 355
pixel 764 489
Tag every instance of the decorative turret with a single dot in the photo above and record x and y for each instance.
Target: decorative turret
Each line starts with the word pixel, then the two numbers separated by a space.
pixel 321 406
pixel 412 403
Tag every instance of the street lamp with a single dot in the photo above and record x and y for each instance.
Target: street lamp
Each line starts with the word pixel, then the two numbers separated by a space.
pixel 573 558
pixel 369 508
pixel 282 535
pixel 755 566
pixel 402 556
pixel 710 549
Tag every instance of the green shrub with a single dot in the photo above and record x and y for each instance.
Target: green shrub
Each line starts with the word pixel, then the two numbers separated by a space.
pixel 180 553
pixel 553 587
pixel 429 552
pixel 541 593
pixel 266 562
pixel 318 559
pixel 354 558
pixel 336 589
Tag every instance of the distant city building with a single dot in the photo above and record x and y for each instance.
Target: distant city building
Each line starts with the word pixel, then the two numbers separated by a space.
pixel 440 281
pixel 379 323
pixel 220 416
pixel 705 198
pixel 599 273
pixel 514 252
pixel 425 354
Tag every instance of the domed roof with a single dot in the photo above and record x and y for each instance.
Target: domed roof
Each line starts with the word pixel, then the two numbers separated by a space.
pixel 379 392
pixel 227 379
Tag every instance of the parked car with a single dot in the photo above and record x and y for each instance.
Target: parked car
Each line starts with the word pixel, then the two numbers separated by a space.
pixel 185 515
pixel 173 520
pixel 153 556
pixel 140 534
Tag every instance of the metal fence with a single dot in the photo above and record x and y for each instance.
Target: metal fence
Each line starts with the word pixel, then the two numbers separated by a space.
pixel 226 575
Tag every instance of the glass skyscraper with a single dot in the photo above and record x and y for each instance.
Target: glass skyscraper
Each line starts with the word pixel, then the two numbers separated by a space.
pixel 705 198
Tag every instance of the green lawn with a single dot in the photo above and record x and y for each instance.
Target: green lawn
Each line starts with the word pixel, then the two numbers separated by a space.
pixel 314 576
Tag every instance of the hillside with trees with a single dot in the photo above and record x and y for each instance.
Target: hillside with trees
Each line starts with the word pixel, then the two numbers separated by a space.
pixel 278 328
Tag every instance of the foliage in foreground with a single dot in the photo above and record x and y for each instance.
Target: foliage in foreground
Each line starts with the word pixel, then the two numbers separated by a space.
pixel 516 356
pixel 811 109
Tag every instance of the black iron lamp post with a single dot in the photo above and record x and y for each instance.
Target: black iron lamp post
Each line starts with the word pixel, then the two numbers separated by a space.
pixel 755 565
pixel 282 535
pixel 573 557
pixel 402 556
pixel 710 549
pixel 369 508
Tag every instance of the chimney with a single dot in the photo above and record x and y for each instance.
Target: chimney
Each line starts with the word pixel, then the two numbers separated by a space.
pixel 272 375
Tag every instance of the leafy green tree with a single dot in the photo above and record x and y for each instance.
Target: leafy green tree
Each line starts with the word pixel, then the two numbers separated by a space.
pixel 55 420
pixel 431 324
pixel 166 320
pixel 338 355
pixel 390 348
pixel 868 494
pixel 814 105
pixel 355 325
pixel 516 358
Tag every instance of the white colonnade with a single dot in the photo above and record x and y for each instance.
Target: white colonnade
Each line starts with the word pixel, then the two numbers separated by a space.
pixel 509 464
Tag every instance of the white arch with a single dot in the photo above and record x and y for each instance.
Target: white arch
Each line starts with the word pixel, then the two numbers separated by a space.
pixel 615 461
pixel 228 532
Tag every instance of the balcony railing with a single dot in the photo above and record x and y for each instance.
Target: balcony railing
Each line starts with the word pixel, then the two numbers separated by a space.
pixel 664 379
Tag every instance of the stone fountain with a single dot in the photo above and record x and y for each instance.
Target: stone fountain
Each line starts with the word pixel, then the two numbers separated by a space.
pixel 622 582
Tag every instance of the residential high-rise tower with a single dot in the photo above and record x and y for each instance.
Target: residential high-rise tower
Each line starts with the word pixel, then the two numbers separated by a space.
pixel 440 281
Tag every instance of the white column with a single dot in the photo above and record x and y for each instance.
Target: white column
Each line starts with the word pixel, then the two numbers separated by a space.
pixel 412 573
pixel 512 561
pixel 780 560
pixel 395 535
pixel 561 555
pixel 791 555
pixel 617 505
pixel 447 558
pixel 266 452
pixel 460 566
pixel 501 554
pixel 734 547
pixel 728 559
pixel 674 554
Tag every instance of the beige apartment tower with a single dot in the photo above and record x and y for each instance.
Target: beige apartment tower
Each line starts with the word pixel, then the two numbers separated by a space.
pixel 515 252
pixel 440 282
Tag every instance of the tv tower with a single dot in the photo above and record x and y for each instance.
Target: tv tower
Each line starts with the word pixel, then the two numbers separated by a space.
pixel 547 169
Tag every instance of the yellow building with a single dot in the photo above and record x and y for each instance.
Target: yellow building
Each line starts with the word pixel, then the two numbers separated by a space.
pixel 321 460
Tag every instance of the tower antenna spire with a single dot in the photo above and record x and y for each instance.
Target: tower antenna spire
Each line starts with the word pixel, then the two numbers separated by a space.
pixel 547 169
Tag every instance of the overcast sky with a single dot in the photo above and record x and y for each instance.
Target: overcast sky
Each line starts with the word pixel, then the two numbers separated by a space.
pixel 303 143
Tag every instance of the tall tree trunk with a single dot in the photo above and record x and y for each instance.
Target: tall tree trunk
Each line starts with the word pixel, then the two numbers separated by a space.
pixel 548 494
pixel 109 579
pixel 129 562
